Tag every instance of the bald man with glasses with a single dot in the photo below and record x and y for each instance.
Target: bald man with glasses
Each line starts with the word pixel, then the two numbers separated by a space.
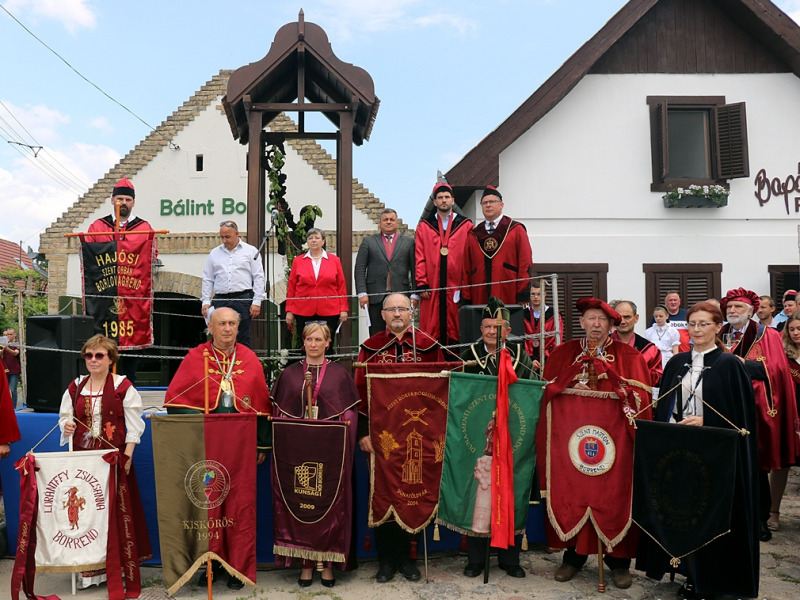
pixel 234 277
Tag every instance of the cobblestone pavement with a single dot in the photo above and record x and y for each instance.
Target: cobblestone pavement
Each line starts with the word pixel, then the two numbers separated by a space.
pixel 780 577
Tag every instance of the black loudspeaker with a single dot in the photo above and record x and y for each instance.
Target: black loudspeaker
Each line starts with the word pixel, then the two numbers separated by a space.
pixel 470 317
pixel 49 369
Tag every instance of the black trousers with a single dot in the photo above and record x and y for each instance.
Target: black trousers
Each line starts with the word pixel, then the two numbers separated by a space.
pixel 476 552
pixel 393 544
pixel 240 302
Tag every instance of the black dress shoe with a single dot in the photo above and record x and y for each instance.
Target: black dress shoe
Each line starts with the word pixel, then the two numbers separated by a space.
pixel 328 583
pixel 385 572
pixel 473 569
pixel 513 570
pixel 764 534
pixel 235 583
pixel 305 582
pixel 410 571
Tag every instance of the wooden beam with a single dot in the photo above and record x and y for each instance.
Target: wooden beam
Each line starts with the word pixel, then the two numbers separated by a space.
pixel 305 106
pixel 344 213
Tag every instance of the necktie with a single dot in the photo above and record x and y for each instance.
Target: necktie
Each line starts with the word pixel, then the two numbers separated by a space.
pixel 737 335
pixel 490 227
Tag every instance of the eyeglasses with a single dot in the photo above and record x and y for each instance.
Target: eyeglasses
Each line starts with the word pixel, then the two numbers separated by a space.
pixel 699 325
pixel 397 309
pixel 487 202
pixel 94 355
pixel 229 224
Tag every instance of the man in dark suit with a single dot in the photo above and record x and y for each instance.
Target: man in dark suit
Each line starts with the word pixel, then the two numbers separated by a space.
pixel 384 265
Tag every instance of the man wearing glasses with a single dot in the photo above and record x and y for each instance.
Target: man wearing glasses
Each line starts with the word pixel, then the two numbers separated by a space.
pixel 234 276
pixel 398 342
pixel 498 259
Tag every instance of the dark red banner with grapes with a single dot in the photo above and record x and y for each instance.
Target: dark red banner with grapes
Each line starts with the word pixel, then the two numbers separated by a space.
pixel 118 288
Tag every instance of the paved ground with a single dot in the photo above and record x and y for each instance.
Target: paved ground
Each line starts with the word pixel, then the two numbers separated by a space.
pixel 780 577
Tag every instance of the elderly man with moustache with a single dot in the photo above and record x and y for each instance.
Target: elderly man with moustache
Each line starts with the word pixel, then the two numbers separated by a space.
pixel 594 371
pixel 761 350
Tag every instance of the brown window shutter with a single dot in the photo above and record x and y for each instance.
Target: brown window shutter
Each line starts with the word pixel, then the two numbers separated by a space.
pixel 732 154
pixel 663 139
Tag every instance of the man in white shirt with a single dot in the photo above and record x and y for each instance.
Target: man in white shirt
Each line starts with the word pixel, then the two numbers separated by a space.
pixel 234 275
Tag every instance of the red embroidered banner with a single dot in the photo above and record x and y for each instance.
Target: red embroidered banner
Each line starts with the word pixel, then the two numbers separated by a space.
pixel 588 466
pixel 118 288
pixel 408 418
pixel 205 471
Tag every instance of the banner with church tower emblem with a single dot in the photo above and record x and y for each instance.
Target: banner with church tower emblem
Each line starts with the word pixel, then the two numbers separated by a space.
pixel 118 288
pixel 206 494
pixel 310 489
pixel 407 421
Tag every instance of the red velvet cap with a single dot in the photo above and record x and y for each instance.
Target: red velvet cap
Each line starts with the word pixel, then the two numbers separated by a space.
pixel 441 187
pixel 124 188
pixel 740 295
pixel 584 304
pixel 792 293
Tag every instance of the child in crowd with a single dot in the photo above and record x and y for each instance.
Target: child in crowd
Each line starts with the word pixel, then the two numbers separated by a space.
pixel 662 335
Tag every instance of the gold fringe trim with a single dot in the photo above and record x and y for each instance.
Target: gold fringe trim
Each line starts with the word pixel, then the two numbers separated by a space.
pixel 308 554
pixel 638 384
pixel 590 393
pixel 186 577
pixel 71 568
pixel 469 532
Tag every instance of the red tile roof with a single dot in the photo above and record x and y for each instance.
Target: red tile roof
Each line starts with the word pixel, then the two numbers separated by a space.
pixel 11 254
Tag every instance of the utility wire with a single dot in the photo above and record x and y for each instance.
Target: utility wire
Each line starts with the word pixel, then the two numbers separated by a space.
pixel 87 80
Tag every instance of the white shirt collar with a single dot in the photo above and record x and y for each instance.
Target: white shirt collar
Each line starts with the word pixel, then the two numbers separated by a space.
pixel 308 254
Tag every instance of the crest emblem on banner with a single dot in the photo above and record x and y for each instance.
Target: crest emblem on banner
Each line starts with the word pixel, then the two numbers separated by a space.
pixel 592 450
pixel 207 483
pixel 118 307
pixel 308 478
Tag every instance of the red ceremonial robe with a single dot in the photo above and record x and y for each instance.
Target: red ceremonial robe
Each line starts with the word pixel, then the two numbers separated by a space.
pixel 582 501
pixel 386 347
pixel 776 408
pixel 9 430
pixel 650 352
pixel 187 389
pixel 440 274
pixel 532 329
pixel 497 265
pixel 107 224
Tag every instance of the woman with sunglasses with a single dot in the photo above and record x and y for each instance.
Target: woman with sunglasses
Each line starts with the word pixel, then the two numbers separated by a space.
pixel 101 411
pixel 708 387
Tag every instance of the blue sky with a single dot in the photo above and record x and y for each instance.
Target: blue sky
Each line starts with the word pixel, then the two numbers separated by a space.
pixel 447 73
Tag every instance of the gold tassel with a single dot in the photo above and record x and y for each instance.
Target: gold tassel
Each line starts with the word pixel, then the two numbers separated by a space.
pixel 524 545
pixel 436 533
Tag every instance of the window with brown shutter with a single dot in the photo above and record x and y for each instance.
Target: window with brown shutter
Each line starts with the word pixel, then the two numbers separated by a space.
pixel 694 282
pixel 782 278
pixel 696 140
pixel 574 281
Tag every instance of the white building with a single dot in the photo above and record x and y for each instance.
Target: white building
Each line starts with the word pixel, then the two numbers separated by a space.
pixel 667 94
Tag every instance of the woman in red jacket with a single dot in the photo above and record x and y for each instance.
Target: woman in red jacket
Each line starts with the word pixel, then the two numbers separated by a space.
pixel 317 289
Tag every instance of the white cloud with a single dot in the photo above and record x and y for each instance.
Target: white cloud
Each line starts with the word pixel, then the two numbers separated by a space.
pixel 345 19
pixel 103 125
pixel 38 120
pixel 72 14
pixel 35 199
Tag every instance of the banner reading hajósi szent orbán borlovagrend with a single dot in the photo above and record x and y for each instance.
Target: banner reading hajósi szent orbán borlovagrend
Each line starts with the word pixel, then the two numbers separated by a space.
pixel 206 494
pixel 118 288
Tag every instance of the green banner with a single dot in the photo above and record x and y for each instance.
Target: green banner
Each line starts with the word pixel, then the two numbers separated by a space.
pixel 465 493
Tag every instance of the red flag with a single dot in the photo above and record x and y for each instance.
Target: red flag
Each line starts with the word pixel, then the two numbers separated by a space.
pixel 503 460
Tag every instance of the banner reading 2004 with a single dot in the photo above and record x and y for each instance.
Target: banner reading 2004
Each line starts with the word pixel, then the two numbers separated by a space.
pixel 118 288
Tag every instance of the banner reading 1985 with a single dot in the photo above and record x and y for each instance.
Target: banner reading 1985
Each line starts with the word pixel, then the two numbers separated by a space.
pixel 118 288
